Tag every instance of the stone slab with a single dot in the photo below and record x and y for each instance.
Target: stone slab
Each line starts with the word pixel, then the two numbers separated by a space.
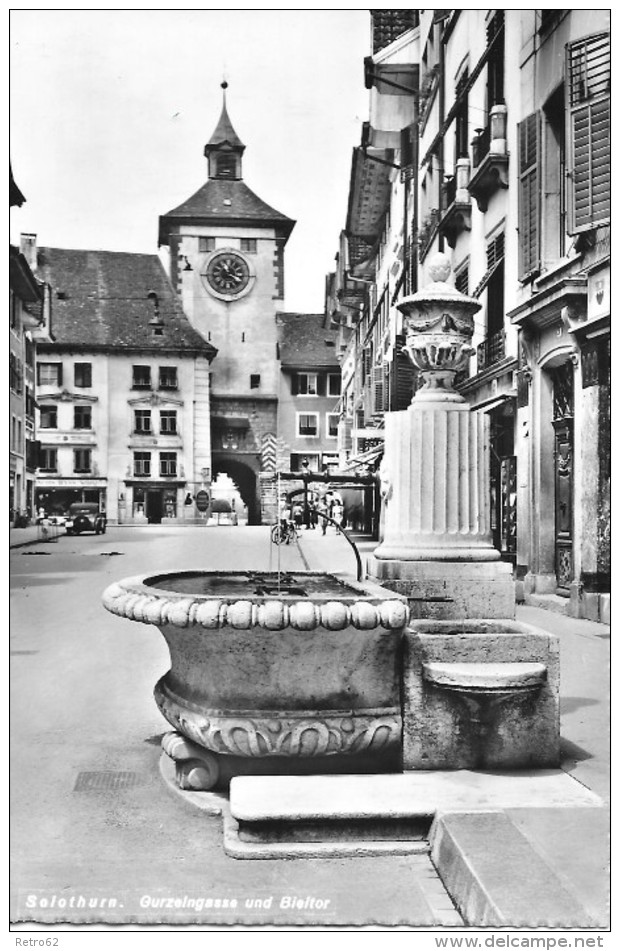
pixel 497 878
pixel 238 848
pixel 491 676
pixel 291 798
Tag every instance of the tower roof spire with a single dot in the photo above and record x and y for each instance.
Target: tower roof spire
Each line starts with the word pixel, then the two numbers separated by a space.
pixel 224 134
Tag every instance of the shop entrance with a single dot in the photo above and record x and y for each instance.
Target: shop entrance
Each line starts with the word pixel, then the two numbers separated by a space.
pixel 154 506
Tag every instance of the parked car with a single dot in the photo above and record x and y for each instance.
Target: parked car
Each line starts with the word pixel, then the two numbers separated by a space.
pixel 85 517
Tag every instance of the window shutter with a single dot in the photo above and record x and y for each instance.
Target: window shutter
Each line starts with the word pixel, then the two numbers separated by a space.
pixel 588 68
pixel 320 384
pixel 377 379
pixel 403 382
pixel 59 374
pixel 294 384
pixel 529 195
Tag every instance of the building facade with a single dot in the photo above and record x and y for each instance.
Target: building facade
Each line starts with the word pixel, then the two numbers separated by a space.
pixel 226 252
pixel 26 297
pixel 122 392
pixel 499 158
pixel 309 399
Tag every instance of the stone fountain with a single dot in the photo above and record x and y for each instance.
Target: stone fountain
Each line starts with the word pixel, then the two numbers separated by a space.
pixel 272 673
pixel 316 673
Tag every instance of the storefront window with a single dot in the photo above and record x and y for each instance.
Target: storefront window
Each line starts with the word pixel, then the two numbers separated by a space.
pixel 138 503
pixel 170 503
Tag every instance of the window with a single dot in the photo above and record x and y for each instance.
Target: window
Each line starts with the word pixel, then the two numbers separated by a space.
pixel 142 420
pixel 48 460
pixel 168 421
pixel 254 381
pixel 226 165
pixel 49 417
pixel 82 460
pixel 49 374
pixel 142 464
pixel 307 424
pixel 19 436
pixel 14 305
pixel 461 116
pixel 30 351
pixel 167 463
pixel 461 280
pixel 82 374
pixel 16 373
pixel 168 378
pixel 206 244
pixel 248 245
pixel 332 420
pixel 588 69
pixel 141 378
pixel 529 196
pixel 306 384
pixel 334 384
pixel 82 417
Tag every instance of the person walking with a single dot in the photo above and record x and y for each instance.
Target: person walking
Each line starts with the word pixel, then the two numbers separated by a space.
pixel 322 511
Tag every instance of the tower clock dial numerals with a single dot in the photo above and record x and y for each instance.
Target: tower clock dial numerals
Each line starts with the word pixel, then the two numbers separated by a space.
pixel 227 273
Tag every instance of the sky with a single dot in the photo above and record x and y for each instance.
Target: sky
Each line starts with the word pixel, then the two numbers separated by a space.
pixel 110 111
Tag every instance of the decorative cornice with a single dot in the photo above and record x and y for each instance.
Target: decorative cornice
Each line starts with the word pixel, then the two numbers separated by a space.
pixel 135 601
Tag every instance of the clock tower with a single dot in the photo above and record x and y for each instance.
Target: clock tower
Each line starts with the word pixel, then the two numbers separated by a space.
pixel 227 266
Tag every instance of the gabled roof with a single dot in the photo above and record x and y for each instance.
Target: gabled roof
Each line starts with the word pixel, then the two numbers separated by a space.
pixel 221 201
pixel 306 342
pixel 99 300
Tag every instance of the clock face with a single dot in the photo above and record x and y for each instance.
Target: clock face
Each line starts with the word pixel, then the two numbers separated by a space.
pixel 227 274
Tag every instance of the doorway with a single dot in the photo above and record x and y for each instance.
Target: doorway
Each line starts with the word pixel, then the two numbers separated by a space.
pixel 563 412
pixel 154 506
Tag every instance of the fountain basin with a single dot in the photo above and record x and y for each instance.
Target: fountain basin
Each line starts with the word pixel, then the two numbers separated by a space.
pixel 298 667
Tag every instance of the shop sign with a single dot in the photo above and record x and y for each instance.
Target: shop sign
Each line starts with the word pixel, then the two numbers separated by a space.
pixel 202 500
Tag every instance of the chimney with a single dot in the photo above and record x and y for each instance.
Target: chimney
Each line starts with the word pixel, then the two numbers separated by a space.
pixel 28 247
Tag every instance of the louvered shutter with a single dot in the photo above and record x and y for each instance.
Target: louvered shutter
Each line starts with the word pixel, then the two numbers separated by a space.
pixel 529 195
pixel 294 384
pixel 403 381
pixel 377 380
pixel 588 70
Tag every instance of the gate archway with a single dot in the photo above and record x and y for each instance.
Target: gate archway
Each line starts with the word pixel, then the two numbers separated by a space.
pixel 246 480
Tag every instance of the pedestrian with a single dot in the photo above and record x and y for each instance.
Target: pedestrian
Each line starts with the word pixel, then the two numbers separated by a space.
pixel 298 515
pixel 312 514
pixel 337 513
pixel 321 512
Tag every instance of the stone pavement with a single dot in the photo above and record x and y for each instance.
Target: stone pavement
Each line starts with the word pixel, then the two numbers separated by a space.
pixel 572 841
pixel 82 708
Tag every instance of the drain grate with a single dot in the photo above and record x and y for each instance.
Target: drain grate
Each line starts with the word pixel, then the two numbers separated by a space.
pixel 105 779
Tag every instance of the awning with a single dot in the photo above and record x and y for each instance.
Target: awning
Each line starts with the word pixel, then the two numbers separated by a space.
pixel 391 79
pixel 364 458
pixel 487 277
pixel 491 404
pixel 369 193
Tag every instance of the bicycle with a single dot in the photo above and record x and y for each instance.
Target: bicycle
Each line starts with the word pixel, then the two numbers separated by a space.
pixel 283 533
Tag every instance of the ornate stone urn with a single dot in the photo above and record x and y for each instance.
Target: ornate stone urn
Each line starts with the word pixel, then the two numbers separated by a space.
pixel 264 668
pixel 440 325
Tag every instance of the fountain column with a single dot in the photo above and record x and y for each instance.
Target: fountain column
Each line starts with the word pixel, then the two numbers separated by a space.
pixel 437 546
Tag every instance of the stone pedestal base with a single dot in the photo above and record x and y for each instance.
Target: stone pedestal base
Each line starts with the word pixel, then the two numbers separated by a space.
pixel 474 716
pixel 446 589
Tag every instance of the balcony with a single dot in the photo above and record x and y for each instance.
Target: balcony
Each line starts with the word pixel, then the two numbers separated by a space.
pixel 491 351
pixel 456 204
pixel 489 159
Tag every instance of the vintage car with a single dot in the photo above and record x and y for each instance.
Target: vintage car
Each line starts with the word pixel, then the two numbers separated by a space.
pixel 85 517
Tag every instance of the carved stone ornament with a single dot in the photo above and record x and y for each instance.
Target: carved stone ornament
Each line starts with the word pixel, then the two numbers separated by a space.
pixel 440 326
pixel 298 733
pixel 130 599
